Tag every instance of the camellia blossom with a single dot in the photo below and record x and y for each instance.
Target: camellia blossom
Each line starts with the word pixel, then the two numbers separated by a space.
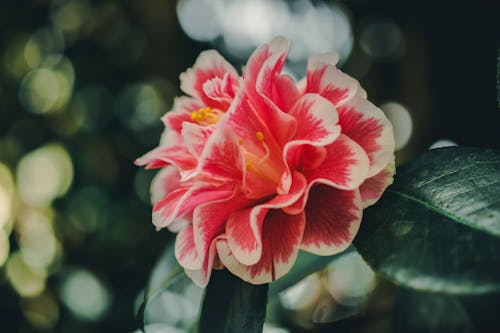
pixel 258 167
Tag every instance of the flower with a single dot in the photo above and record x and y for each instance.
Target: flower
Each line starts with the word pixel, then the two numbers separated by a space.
pixel 258 167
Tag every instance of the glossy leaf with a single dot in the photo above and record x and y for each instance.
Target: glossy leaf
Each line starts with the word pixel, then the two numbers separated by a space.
pixel 437 228
pixel 233 305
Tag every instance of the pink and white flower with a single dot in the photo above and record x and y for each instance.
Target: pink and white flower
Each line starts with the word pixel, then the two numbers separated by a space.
pixel 258 167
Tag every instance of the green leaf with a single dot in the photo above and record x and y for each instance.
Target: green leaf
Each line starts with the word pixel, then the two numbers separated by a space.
pixel 437 228
pixel 233 305
pixel 305 265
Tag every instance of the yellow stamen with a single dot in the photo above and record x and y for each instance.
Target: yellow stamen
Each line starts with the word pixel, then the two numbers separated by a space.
pixel 248 166
pixel 260 136
pixel 240 141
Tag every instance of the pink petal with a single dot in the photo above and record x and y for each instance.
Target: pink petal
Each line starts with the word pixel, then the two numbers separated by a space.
pixel 183 200
pixel 210 64
pixel 181 112
pixel 243 228
pixel 333 218
pixel 318 120
pixel 221 157
pixel 369 127
pixel 177 155
pixel 269 92
pixel 345 166
pixel 220 90
pixel 201 276
pixel 372 188
pixel 281 238
pixel 185 249
pixel 329 82
pixel 164 182
pixel 209 220
pixel 195 137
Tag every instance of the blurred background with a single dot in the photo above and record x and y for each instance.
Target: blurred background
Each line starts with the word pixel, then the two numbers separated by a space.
pixel 82 87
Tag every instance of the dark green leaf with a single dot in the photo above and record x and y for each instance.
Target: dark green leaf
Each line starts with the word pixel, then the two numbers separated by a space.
pixel 438 227
pixel 305 265
pixel 233 305
pixel 498 79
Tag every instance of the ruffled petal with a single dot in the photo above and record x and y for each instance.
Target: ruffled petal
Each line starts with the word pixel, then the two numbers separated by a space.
pixel 221 158
pixel 369 127
pixel 345 165
pixel 181 112
pixel 209 221
pixel 209 65
pixel 221 90
pixel 183 200
pixel 372 188
pixel 201 276
pixel 331 83
pixel 318 127
pixel 164 182
pixel 281 238
pixel 333 218
pixel 162 156
pixel 243 228
pixel 185 249
pixel 195 137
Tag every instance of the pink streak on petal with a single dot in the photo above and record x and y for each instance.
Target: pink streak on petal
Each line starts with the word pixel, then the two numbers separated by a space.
pixel 221 157
pixel 195 137
pixel 164 182
pixel 372 188
pixel 369 127
pixel 210 64
pixel 330 82
pixel 281 237
pixel 182 201
pixel 162 156
pixel 345 166
pixel 209 220
pixel 244 228
pixel 185 249
pixel 333 218
pixel 181 112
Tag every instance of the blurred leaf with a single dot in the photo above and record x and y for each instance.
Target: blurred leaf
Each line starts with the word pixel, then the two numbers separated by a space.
pixel 166 272
pixel 416 311
pixel 305 265
pixel 233 305
pixel 438 227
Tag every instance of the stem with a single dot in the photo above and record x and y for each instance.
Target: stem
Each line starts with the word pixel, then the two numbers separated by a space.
pixel 233 305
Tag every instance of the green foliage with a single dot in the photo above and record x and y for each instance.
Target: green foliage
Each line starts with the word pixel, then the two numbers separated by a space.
pixel 438 227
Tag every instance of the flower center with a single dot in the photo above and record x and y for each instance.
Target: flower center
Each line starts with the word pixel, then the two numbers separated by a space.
pixel 262 165
pixel 206 116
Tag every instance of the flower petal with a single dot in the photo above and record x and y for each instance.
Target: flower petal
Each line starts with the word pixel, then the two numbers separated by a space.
pixel 369 127
pixel 318 127
pixel 344 167
pixel 209 220
pixel 221 157
pixel 201 276
pixel 372 188
pixel 177 155
pixel 210 64
pixel 318 120
pixel 185 249
pixel 195 137
pixel 328 81
pixel 164 182
pixel 221 90
pixel 183 200
pixel 243 228
pixel 281 237
pixel 181 112
pixel 333 218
